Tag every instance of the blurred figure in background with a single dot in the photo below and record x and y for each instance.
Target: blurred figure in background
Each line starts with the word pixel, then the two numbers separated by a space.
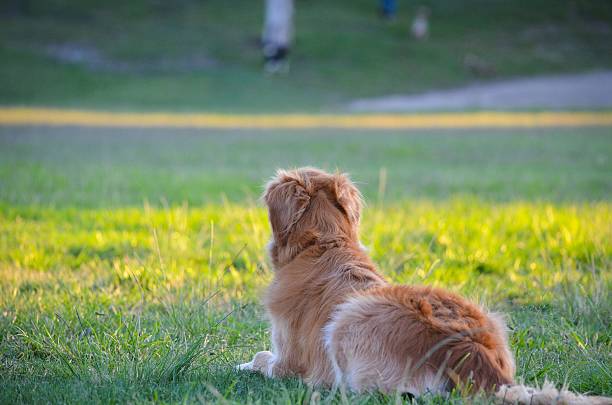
pixel 388 8
pixel 420 24
pixel 277 35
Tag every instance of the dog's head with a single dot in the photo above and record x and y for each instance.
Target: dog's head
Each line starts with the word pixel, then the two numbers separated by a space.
pixel 308 203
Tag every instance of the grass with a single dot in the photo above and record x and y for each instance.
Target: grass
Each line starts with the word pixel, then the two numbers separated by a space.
pixel 203 55
pixel 131 262
pixel 144 304
pixel 107 168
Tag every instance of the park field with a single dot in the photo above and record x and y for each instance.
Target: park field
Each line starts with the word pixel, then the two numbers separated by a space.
pixel 191 55
pixel 132 261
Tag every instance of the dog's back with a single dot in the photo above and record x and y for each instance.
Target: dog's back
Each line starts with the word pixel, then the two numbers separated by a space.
pixel 303 296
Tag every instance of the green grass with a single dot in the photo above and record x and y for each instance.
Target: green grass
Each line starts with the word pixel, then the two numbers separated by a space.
pixel 102 168
pixel 342 51
pixel 126 276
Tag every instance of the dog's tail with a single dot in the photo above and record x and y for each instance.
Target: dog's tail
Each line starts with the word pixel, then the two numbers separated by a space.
pixel 547 394
pixel 471 366
pixel 480 367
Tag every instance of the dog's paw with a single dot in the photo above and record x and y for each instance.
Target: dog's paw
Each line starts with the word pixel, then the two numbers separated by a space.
pixel 245 367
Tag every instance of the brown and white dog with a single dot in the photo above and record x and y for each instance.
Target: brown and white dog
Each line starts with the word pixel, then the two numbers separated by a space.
pixel 336 320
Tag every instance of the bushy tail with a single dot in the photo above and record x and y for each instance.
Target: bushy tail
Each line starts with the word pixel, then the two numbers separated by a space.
pixel 546 395
pixel 471 363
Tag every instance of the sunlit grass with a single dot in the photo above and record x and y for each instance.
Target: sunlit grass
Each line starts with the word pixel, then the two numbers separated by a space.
pixel 104 301
pixel 508 250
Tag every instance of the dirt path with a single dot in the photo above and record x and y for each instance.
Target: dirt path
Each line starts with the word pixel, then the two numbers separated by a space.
pixel 575 91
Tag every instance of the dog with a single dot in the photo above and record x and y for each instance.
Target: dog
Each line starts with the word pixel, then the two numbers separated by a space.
pixel 336 321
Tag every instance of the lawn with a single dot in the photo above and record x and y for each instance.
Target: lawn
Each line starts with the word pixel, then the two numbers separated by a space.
pixel 131 262
pixel 204 55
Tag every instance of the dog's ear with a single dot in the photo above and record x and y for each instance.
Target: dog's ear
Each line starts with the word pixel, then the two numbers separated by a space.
pixel 348 197
pixel 287 198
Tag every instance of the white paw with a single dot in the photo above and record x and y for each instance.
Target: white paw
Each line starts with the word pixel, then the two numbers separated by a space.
pixel 245 366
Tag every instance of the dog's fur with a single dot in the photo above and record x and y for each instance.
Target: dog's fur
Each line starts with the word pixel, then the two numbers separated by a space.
pixel 336 321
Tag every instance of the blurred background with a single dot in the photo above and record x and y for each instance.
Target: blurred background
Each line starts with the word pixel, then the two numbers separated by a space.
pixel 188 55
pixel 304 56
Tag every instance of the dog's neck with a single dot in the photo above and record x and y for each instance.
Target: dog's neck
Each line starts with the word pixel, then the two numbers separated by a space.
pixel 282 255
